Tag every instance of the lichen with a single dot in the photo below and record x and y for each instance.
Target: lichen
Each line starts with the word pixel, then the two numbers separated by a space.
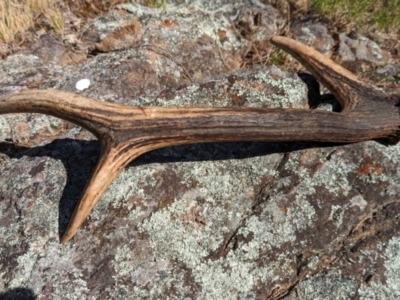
pixel 215 230
pixel 391 288
pixel 327 286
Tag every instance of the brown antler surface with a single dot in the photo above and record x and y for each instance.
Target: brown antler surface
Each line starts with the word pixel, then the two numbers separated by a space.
pixel 126 132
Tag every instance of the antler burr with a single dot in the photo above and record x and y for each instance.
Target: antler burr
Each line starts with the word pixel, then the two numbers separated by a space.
pixel 126 132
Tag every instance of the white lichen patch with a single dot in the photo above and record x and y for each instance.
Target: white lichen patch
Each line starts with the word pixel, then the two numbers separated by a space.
pixel 390 290
pixel 134 247
pixel 127 184
pixel 82 84
pixel 17 64
pixel 273 227
pixel 337 214
pixel 287 92
pixel 217 283
pixel 358 201
pixel 4 128
pixel 63 276
pixel 284 92
pixel 45 261
pixel 333 175
pixel 390 155
pixel 327 286
pixel 175 234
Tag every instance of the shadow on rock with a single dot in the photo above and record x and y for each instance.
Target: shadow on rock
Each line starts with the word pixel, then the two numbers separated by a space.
pixel 18 294
pixel 79 159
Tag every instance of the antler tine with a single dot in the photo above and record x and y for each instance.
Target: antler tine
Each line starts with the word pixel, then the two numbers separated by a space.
pixel 106 170
pixel 91 114
pixel 126 132
pixel 343 84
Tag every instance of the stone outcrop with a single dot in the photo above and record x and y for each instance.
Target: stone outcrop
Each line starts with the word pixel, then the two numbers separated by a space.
pixel 208 221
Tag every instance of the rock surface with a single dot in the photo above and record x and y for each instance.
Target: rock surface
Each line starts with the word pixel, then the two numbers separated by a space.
pixel 361 48
pixel 209 221
pixel 313 34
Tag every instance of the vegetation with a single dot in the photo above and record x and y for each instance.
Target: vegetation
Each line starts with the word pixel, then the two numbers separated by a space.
pixel 17 16
pixel 154 3
pixel 20 16
pixel 383 14
pixel 277 58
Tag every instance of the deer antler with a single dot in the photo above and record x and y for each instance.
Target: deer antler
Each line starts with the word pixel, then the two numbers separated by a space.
pixel 126 132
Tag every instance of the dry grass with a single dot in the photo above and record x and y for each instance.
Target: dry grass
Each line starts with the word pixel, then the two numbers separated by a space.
pixel 92 8
pixel 18 16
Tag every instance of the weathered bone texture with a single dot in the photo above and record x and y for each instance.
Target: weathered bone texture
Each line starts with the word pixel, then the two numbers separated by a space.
pixel 126 132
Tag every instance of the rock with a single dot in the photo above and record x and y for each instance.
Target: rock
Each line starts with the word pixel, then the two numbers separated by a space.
pixel 208 221
pixel 360 48
pixel 71 40
pixel 257 24
pixel 123 37
pixel 314 35
pixel 53 52
pixel 388 72
pixel 345 52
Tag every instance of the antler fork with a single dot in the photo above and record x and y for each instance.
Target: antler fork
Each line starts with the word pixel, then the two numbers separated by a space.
pixel 126 132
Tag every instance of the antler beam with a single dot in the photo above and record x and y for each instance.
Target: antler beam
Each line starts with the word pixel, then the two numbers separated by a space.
pixel 126 132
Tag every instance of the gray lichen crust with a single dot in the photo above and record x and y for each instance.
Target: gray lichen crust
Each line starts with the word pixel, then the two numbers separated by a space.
pixel 208 221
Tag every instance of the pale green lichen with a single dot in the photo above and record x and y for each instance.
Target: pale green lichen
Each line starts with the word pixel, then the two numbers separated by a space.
pixel 327 286
pixel 391 289
pixel 185 240
pixel 174 235
pixel 390 152
pixel 337 214
pixel 118 192
pixel 289 92
pixel 4 128
pixel 176 239
pixel 358 201
pixel 333 175
pixel 217 283
pixel 38 222
pixel 281 226
pixel 292 93
pixel 18 64
pixel 307 186
pixel 111 20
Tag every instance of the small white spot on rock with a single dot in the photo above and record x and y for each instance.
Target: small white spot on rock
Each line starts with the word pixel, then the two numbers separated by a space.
pixel 82 84
pixel 358 201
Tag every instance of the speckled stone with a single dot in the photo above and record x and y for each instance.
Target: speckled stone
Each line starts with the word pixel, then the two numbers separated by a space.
pixel 360 48
pixel 313 34
pixel 208 221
